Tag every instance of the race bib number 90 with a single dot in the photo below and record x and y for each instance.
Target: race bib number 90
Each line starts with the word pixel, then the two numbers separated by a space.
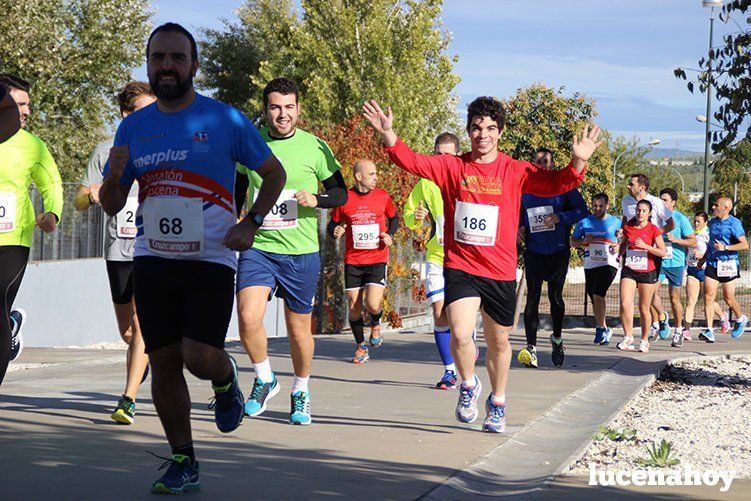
pixel 126 219
pixel 366 236
pixel 7 212
pixel 475 224
pixel 174 226
pixel 597 253
pixel 727 269
pixel 283 215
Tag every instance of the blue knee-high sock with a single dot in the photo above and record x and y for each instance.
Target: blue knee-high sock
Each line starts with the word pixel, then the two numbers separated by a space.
pixel 443 343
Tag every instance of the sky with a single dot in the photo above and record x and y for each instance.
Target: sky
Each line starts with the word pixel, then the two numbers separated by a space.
pixel 621 53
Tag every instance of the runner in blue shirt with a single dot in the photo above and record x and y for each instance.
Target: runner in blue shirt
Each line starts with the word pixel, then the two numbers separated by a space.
pixel 598 235
pixel 726 238
pixel 677 241
pixel 546 223
pixel 183 150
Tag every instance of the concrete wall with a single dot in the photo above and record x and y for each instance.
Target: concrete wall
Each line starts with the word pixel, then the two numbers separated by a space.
pixel 68 304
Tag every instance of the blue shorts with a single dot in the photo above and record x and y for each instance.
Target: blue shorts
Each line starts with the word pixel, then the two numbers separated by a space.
pixel 697 273
pixel 674 276
pixel 293 278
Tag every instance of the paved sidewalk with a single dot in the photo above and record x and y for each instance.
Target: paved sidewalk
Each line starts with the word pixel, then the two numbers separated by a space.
pixel 379 431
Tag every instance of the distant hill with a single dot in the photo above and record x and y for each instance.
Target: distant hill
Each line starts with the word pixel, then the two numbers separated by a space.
pixel 673 153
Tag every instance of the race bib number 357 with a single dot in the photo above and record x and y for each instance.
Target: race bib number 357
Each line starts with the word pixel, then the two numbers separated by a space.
pixel 174 226
pixel 475 224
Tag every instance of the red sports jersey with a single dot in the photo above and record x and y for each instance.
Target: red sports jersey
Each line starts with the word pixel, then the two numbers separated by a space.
pixel 639 259
pixel 365 215
pixel 481 204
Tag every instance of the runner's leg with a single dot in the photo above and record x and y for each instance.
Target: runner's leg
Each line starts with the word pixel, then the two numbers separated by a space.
pixel 13 259
pixel 462 315
pixel 627 291
pixel 646 293
pixel 534 279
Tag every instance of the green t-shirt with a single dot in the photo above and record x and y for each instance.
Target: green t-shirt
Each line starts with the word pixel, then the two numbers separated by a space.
pixel 289 228
pixel 429 194
pixel 24 158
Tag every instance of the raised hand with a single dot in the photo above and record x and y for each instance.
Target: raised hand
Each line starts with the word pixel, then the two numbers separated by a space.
pixel 590 140
pixel 420 212
pixel 380 121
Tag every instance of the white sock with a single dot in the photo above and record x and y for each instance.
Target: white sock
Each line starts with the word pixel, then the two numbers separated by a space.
pixel 300 384
pixel 498 399
pixel 263 371
pixel 450 367
pixel 471 383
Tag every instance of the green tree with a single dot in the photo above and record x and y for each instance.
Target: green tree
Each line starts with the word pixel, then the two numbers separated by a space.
pixel 732 170
pixel 76 54
pixel 730 75
pixel 341 52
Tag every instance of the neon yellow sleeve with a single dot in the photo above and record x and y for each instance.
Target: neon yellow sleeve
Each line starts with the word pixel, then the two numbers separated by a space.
pixel 47 179
pixel 416 196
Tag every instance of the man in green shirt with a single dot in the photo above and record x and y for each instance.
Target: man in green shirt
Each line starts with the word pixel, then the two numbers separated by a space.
pixel 284 258
pixel 23 158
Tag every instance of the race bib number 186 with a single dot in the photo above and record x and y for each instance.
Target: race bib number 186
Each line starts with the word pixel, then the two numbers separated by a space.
pixel 475 224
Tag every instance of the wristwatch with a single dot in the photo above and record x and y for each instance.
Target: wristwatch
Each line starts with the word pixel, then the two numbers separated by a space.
pixel 256 218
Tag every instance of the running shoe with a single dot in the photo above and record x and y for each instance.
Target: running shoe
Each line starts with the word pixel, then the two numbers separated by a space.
pixel 181 476
pixel 627 344
pixel 528 356
pixel 644 346
pixel 599 335
pixel 495 417
pixel 300 408
pixel 654 332
pixel 707 335
pixel 687 334
pixel 608 335
pixel 466 408
pixel 557 355
pixel 376 338
pixel 664 326
pixel 125 411
pixel 361 354
pixel 725 325
pixel 677 341
pixel 448 381
pixel 740 327
pixel 228 403
pixel 18 316
pixel 260 395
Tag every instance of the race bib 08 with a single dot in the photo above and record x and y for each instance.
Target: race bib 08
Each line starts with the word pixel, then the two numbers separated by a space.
pixel 173 226
pixel 636 259
pixel 727 269
pixel 366 236
pixel 7 212
pixel 126 219
pixel 283 215
pixel 536 216
pixel 475 224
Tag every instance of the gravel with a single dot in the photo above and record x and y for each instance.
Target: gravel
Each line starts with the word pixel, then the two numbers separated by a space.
pixel 701 406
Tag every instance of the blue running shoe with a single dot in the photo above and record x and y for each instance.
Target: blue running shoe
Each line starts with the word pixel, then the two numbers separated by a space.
pixel 260 395
pixel 495 418
pixel 181 476
pixel 707 335
pixel 740 326
pixel 300 408
pixel 466 408
pixel 448 381
pixel 228 404
pixel 599 335
pixel 18 317
pixel 376 338
pixel 606 336
pixel 664 329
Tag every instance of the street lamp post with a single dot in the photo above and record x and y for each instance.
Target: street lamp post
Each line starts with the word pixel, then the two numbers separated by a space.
pixel 652 142
pixel 711 4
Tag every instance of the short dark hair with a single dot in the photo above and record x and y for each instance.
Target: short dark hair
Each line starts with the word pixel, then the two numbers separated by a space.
pixel 448 138
pixel 703 215
pixel 11 82
pixel 126 98
pixel 671 192
pixel 283 86
pixel 603 197
pixel 645 202
pixel 546 151
pixel 174 28
pixel 486 106
pixel 642 179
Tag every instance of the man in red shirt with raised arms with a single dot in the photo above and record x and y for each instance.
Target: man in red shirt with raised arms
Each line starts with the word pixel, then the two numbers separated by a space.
pixel 481 194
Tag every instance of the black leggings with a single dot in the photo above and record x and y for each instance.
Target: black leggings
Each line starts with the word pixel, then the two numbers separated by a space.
pixel 13 259
pixel 539 268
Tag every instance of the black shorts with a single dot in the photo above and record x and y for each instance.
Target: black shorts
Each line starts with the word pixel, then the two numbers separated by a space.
pixel 598 280
pixel 358 276
pixel 120 275
pixel 182 299
pixel 640 277
pixel 711 272
pixel 550 268
pixel 497 297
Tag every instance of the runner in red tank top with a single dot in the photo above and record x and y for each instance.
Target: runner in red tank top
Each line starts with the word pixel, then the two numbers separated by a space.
pixel 481 195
